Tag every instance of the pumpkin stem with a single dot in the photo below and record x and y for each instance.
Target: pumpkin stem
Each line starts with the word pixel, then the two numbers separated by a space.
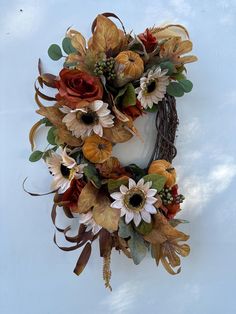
pixel 170 169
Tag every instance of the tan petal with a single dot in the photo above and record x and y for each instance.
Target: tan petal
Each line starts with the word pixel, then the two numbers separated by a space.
pixel 187 59
pixel 104 215
pixel 106 35
pixel 119 133
pixel 184 47
pixel 87 198
pixel 78 41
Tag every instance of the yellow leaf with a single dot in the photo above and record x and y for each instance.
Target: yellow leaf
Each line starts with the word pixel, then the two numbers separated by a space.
pixel 65 136
pixel 78 41
pixel 104 215
pixel 106 35
pixel 87 199
pixel 119 133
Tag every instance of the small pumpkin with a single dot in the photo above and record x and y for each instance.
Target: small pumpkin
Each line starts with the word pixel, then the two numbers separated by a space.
pixel 97 149
pixel 129 66
pixel 164 168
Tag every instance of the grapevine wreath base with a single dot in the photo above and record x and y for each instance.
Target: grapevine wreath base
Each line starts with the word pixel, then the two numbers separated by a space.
pixel 105 84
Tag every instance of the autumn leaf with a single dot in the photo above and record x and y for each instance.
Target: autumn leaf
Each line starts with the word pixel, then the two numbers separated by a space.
pixel 166 245
pixel 174 48
pixel 78 41
pixel 87 199
pixel 105 37
pixel 53 114
pixel 104 215
pixel 119 133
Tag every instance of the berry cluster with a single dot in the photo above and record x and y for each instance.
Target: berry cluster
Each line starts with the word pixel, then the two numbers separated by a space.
pixel 106 68
pixel 171 196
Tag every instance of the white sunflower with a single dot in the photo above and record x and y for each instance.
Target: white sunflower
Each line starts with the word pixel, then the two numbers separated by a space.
pixel 135 201
pixel 89 222
pixel 91 119
pixel 152 87
pixel 64 169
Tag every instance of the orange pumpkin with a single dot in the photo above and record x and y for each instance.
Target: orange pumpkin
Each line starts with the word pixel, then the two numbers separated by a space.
pixel 164 168
pixel 129 66
pixel 97 149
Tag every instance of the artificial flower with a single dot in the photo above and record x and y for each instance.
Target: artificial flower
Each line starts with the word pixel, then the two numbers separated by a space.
pixel 77 89
pixel 64 169
pixel 152 87
pixel 135 201
pixel 174 48
pixel 91 119
pixel 72 194
pixel 134 111
pixel 87 220
pixel 148 40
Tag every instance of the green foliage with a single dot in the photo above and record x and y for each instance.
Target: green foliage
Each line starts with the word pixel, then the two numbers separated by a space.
pixel 138 247
pixel 67 46
pixel 35 156
pixel 54 52
pixel 51 137
pixel 91 174
pixel 46 122
pixel 153 109
pixel 186 85
pixel 114 185
pixel 167 65
pixel 136 171
pixel 177 89
pixel 129 97
pixel 157 180
pixel 144 228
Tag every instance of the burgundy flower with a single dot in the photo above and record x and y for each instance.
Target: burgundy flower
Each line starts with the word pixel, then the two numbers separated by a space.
pixel 78 88
pixel 72 194
pixel 148 40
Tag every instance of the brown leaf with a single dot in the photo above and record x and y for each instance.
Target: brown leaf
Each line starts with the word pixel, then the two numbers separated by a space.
pixel 111 169
pixel 53 114
pixel 105 37
pixel 104 215
pixel 105 242
pixel 174 48
pixel 32 134
pixel 78 41
pixel 165 243
pixel 87 199
pixel 83 259
pixel 65 136
pixel 119 133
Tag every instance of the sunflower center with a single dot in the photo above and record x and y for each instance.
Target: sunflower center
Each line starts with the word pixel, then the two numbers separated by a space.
pixel 65 171
pixel 135 200
pixel 151 87
pixel 88 118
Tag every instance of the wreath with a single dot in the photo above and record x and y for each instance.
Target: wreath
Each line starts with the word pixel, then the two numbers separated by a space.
pixel 104 85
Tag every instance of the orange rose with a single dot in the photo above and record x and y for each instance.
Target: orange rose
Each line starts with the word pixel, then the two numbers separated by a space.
pixel 78 88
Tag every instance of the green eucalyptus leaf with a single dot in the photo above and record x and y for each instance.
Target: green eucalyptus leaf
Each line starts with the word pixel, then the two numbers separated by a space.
pixel 175 89
pixel 138 248
pixel 179 76
pixel 46 122
pixel 124 230
pixel 157 180
pixel 92 175
pixel 67 46
pixel 51 137
pixel 54 52
pixel 114 185
pixel 167 65
pixel 129 97
pixel 186 85
pixel 35 156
